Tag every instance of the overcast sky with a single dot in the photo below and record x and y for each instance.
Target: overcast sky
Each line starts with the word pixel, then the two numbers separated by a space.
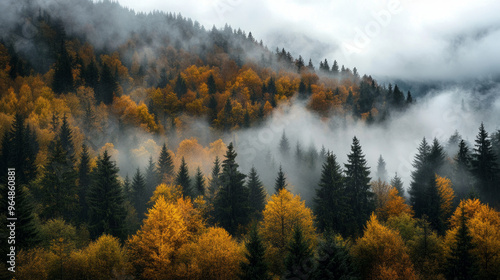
pixel 424 39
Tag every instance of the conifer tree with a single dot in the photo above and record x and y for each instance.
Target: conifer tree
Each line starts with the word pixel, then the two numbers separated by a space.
pixel 284 145
pixel 199 182
pixel 298 263
pixel 105 200
pixel 330 203
pixel 280 182
pixel 381 171
pixel 63 76
pixel 139 193
pixel 183 178
pixel 214 183
pixel 334 261
pixel 231 202
pixel 180 87
pixel 212 89
pixel 108 86
pixel 421 176
pixel 398 184
pixel 165 164
pixel 357 185
pixel 484 166
pixel 127 188
pixel 257 194
pixel 255 268
pixel 66 138
pixel 432 209
pixel 151 176
pixel 462 177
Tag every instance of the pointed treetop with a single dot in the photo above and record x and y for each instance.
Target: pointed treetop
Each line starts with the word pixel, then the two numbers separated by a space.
pixel 280 181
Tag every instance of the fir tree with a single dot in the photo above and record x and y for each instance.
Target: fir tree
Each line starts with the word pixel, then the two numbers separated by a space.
pixel 231 202
pixel 139 193
pixel 214 184
pixel 420 178
pixel 105 200
pixel 484 165
pixel 151 177
pixel 280 182
pixel 432 209
pixel 398 184
pixel 298 263
pixel 257 194
pixel 183 179
pixel 212 88
pixel 127 188
pixel 462 179
pixel 334 261
pixel 63 76
pixel 255 268
pixel 84 182
pixel 381 171
pixel 66 138
pixel 284 145
pixel 357 185
pixel 199 182
pixel 330 203
pixel 180 87
pixel 108 86
pixel 165 164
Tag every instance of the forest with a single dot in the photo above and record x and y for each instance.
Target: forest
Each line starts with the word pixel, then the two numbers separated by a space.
pixel 145 146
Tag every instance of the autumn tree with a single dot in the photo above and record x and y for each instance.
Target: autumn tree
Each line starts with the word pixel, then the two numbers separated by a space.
pixel 231 203
pixel 105 200
pixel 330 206
pixel 282 213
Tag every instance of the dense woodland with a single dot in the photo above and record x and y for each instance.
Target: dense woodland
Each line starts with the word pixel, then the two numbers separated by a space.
pixel 97 105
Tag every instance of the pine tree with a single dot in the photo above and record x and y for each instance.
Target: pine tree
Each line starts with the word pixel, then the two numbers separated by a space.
pixel 298 263
pixel 421 177
pixel 461 264
pixel 183 179
pixel 127 189
pixel 180 87
pixel 334 261
pixel 284 145
pixel 212 88
pixel 105 200
pixel 484 166
pixel 165 165
pixel 255 268
pixel 151 176
pixel 66 138
pixel 280 182
pixel 257 194
pixel 91 75
pixel 231 202
pixel 462 179
pixel 139 193
pixel 108 86
pixel 437 157
pixel 214 184
pixel 84 182
pixel 330 203
pixel 63 76
pixel 199 182
pixel 398 184
pixel 357 185
pixel 381 171
pixel 432 209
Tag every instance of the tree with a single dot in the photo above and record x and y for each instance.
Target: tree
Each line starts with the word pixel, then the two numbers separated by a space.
pixel 298 262
pixel 381 171
pixel 212 88
pixel 165 165
pixel 462 177
pixel 105 200
pixel 282 213
pixel 214 184
pixel 357 185
pixel 108 86
pixel 398 184
pixel 84 182
pixel 421 177
pixel 180 87
pixel 256 194
pixel 394 206
pixel 231 202
pixel 460 263
pixel 199 182
pixel 284 145
pixel 255 266
pixel 139 194
pixel 63 76
pixel 484 165
pixel 280 182
pixel 66 138
pixel 151 176
pixel 183 179
pixel 330 206
pixel 334 260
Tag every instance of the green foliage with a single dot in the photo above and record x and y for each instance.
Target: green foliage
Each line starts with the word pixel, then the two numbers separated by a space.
pixel 165 164
pixel 334 261
pixel 299 261
pixel 183 179
pixel 280 182
pixel 255 267
pixel 257 194
pixel 139 193
pixel 199 182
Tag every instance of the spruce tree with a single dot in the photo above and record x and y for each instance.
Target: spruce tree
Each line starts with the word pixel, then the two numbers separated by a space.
pixel 152 177
pixel 199 182
pixel 108 86
pixel 280 182
pixel 484 166
pixel 84 182
pixel 105 200
pixel 66 138
pixel 231 203
pixel 165 164
pixel 357 185
pixel 421 177
pixel 381 171
pixel 432 209
pixel 214 184
pixel 180 87
pixel 183 179
pixel 334 261
pixel 127 189
pixel 462 177
pixel 212 88
pixel 284 145
pixel 139 193
pixel 299 261
pixel 398 184
pixel 63 77
pixel 255 268
pixel 330 203
pixel 257 194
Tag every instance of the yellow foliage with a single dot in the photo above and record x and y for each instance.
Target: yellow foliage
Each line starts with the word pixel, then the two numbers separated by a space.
pixel 35 264
pixel 394 206
pixel 169 192
pixel 446 194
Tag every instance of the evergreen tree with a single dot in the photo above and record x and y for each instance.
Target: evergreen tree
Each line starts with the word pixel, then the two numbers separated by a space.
pixel 398 184
pixel 127 188
pixel 284 145
pixel 183 179
pixel 212 88
pixel 255 268
pixel 108 86
pixel 214 184
pixel 298 263
pixel 163 81
pixel 432 209
pixel 299 63
pixel 199 182
pixel 421 177
pixel 231 202
pixel 63 76
pixel 84 182
pixel 257 194
pixel 461 264
pixel 151 177
pixel 381 171
pixel 91 75
pixel 330 203
pixel 334 261
pixel 180 87
pixel 105 200
pixel 165 164
pixel 462 179
pixel 59 191
pixel 66 138
pixel 409 98
pixel 280 182
pixel 212 106
pixel 484 166
pixel 139 193
pixel 335 68
pixel 398 97
pixel 437 157
pixel 357 180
